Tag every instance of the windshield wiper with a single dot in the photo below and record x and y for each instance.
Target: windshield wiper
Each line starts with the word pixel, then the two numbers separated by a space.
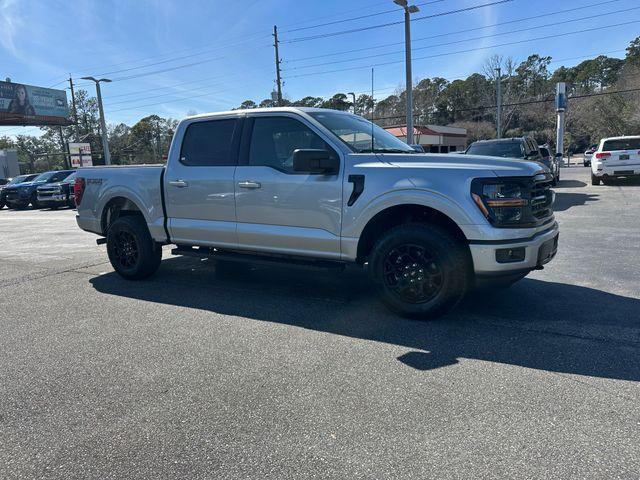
pixel 386 150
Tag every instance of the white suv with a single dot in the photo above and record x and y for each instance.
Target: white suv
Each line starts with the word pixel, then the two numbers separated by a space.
pixel 616 157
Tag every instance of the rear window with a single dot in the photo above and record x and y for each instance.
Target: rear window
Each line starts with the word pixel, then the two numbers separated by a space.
pixel 621 144
pixel 209 143
pixel 497 149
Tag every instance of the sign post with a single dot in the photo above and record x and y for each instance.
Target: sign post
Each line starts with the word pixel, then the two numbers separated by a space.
pixel 561 107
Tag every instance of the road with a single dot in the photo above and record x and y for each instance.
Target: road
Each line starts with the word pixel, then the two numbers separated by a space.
pixel 274 373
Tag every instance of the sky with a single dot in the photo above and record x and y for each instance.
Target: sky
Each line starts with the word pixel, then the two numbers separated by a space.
pixel 174 58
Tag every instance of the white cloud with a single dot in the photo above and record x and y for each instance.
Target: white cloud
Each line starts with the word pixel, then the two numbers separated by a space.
pixel 10 25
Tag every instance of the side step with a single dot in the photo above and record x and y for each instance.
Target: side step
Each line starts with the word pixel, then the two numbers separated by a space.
pixel 300 262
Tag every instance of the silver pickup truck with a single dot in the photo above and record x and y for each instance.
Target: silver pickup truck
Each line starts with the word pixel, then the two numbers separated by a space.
pixel 323 187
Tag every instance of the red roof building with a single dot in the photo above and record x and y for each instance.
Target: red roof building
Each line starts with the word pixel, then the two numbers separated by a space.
pixel 433 138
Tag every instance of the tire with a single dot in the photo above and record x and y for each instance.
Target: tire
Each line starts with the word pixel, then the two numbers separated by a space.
pixel 595 180
pixel 34 202
pixel 19 206
pixel 1 205
pixel 132 252
pixel 428 254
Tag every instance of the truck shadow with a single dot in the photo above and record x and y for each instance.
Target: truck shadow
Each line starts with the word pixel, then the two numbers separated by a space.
pixel 564 201
pixel 535 324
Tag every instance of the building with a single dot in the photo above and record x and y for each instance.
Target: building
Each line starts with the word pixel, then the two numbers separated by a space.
pixel 434 138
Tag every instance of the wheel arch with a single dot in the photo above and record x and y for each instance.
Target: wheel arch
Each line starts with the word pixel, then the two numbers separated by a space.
pixel 116 207
pixel 399 214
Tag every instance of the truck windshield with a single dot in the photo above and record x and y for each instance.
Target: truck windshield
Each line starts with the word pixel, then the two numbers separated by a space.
pixel 497 149
pixel 356 132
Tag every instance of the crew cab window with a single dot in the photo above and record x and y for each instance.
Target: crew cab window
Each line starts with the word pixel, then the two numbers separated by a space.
pixel 209 143
pixel 274 140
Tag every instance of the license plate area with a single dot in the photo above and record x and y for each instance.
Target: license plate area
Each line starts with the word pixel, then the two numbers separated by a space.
pixel 624 156
pixel 548 250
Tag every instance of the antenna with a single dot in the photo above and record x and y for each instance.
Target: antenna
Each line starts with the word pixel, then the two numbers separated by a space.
pixel 372 109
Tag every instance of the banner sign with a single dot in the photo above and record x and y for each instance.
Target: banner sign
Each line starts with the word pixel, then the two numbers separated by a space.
pixel 28 105
pixel 80 155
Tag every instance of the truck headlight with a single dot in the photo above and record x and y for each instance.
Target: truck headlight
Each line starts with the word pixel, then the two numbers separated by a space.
pixel 501 202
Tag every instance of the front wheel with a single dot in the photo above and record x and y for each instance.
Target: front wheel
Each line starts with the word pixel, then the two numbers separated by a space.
pixel 595 180
pixel 132 252
pixel 420 271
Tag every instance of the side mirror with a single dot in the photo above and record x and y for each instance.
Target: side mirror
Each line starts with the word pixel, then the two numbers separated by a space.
pixel 315 161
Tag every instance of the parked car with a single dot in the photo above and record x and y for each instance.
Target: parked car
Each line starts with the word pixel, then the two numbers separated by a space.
pixel 14 181
pixel 57 194
pixel 551 161
pixel 615 157
pixel 586 159
pixel 305 186
pixel 25 193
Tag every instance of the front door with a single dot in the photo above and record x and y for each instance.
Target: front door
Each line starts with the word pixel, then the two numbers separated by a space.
pixel 280 210
pixel 199 184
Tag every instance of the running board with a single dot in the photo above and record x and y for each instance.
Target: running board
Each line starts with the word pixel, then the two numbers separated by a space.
pixel 256 259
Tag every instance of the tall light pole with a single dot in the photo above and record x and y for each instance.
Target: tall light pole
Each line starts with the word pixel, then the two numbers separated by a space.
pixel 408 10
pixel 103 124
pixel 353 95
pixel 499 103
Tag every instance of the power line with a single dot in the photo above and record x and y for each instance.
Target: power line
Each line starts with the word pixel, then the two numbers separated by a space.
pixel 546 37
pixel 472 29
pixel 395 10
pixel 466 40
pixel 414 19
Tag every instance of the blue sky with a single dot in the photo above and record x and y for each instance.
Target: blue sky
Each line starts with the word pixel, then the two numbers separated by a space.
pixel 173 57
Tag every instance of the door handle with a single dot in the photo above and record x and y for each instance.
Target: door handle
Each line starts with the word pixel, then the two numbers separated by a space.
pixel 249 184
pixel 178 183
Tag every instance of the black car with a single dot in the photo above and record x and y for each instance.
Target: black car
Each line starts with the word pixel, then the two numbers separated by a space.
pixel 551 161
pixel 58 194
pixel 520 148
pixel 25 193
pixel 14 181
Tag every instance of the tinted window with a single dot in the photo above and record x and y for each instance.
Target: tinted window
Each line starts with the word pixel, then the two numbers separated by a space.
pixel 275 138
pixel 621 144
pixel 497 149
pixel 59 176
pixel 209 143
pixel 544 152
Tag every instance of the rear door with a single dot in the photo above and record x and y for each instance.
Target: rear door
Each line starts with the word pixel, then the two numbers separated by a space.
pixel 279 210
pixel 624 153
pixel 198 183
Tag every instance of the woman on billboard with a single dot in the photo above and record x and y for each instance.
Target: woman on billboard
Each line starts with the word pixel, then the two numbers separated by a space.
pixel 20 103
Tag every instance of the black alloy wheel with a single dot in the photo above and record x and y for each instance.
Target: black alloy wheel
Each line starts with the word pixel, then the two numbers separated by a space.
pixel 413 273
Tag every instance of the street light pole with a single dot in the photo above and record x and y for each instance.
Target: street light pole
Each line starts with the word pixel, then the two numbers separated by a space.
pixel 408 10
pixel 103 124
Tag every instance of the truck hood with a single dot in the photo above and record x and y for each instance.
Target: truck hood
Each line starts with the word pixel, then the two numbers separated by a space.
pixel 502 167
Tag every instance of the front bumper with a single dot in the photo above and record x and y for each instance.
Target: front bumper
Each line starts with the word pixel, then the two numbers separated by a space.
pixel 539 249
pixel 57 198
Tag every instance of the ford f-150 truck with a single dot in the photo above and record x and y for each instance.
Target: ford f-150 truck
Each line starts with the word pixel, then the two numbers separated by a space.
pixel 323 187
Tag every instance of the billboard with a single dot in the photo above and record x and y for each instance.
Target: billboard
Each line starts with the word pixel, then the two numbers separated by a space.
pixel 80 155
pixel 28 105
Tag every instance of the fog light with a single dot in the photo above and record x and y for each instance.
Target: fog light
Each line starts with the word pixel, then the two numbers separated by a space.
pixel 510 255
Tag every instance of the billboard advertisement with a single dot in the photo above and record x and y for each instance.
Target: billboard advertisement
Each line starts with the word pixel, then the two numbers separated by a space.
pixel 28 105
pixel 80 155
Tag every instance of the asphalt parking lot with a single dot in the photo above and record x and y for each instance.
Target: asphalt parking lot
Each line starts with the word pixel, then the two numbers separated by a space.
pixel 270 373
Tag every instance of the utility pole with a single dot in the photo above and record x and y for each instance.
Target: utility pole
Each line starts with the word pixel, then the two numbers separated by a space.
pixel 103 124
pixel 278 61
pixel 66 159
pixel 75 110
pixel 159 142
pixel 408 10
pixel 499 103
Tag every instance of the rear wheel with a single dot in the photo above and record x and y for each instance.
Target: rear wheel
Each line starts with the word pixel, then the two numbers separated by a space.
pixel 34 201
pixel 595 180
pixel 420 271
pixel 132 252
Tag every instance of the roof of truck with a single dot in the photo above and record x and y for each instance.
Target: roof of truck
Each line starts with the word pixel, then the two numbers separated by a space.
pixel 271 109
